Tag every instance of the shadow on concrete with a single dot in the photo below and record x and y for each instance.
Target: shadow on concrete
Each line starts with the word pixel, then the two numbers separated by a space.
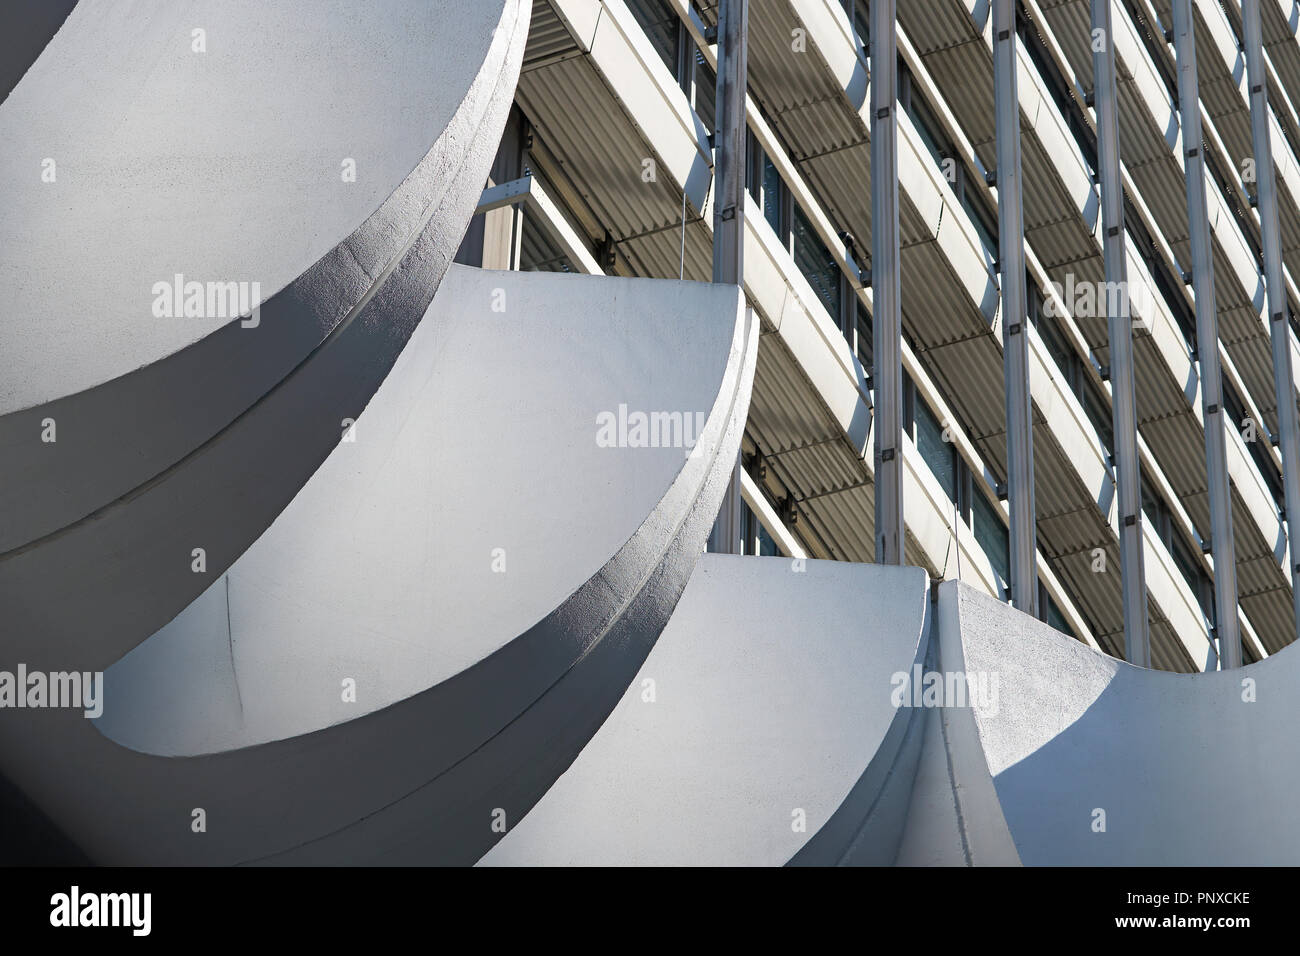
pixel 26 26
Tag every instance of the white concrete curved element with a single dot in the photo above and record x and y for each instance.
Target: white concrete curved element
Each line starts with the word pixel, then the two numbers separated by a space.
pixel 224 156
pixel 1180 769
pixel 759 731
pixel 471 501
pixel 475 689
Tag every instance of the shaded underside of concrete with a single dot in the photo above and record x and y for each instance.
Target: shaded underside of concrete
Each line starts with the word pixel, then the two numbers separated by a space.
pixel 26 26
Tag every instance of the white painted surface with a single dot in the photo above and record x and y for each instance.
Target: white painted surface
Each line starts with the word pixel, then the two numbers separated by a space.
pixel 772 693
pixel 171 161
pixel 1187 771
pixel 482 437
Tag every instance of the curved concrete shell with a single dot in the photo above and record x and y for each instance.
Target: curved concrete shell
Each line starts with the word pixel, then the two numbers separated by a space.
pixel 334 160
pixel 1096 762
pixel 391 562
pixel 759 731
pixel 419 564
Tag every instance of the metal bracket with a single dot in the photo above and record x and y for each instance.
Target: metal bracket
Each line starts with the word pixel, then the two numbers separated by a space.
pixel 605 254
pixel 789 511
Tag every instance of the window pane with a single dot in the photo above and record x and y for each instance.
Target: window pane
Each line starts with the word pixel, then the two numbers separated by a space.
pixel 751 531
pixel 1053 337
pixel 1151 507
pixel 934 140
pixel 772 186
pixel 705 92
pixel 991 535
pixel 938 454
pixel 985 225
pixel 1099 414
pixel 659 22
pixel 865 331
pixel 1190 568
pixel 814 260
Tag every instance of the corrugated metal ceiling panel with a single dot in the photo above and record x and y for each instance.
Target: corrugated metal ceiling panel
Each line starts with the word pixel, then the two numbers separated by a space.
pixel 936 24
pixel 548 38
pixel 599 147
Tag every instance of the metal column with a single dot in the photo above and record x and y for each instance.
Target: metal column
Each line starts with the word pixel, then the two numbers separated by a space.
pixel 886 319
pixel 1279 325
pixel 1137 640
pixel 729 210
pixel 1015 345
pixel 1207 340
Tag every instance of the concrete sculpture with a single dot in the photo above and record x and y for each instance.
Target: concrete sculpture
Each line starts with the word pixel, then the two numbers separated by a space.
pixel 145 436
pixel 480 663
pixel 1096 762
pixel 386 562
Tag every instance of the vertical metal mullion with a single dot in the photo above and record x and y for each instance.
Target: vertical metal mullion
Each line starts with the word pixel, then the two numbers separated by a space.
pixel 887 366
pixel 729 212
pixel 1137 639
pixel 1279 326
pixel 1015 341
pixel 1207 340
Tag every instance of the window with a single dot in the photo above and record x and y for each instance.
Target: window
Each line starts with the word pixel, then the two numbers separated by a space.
pixel 1050 331
pixel 756 539
pixel 659 21
pixel 814 260
pixel 1190 568
pixel 968 493
pixel 1235 409
pixel 706 91
pixel 865 332
pixel 774 199
pixel 1069 363
pixel 1098 412
pixel 796 232
pixel 986 226
pixel 924 120
pixel 1155 511
pixel 938 454
pixel 991 535
pixel 754 160
pixel 1180 549
pixel 941 150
